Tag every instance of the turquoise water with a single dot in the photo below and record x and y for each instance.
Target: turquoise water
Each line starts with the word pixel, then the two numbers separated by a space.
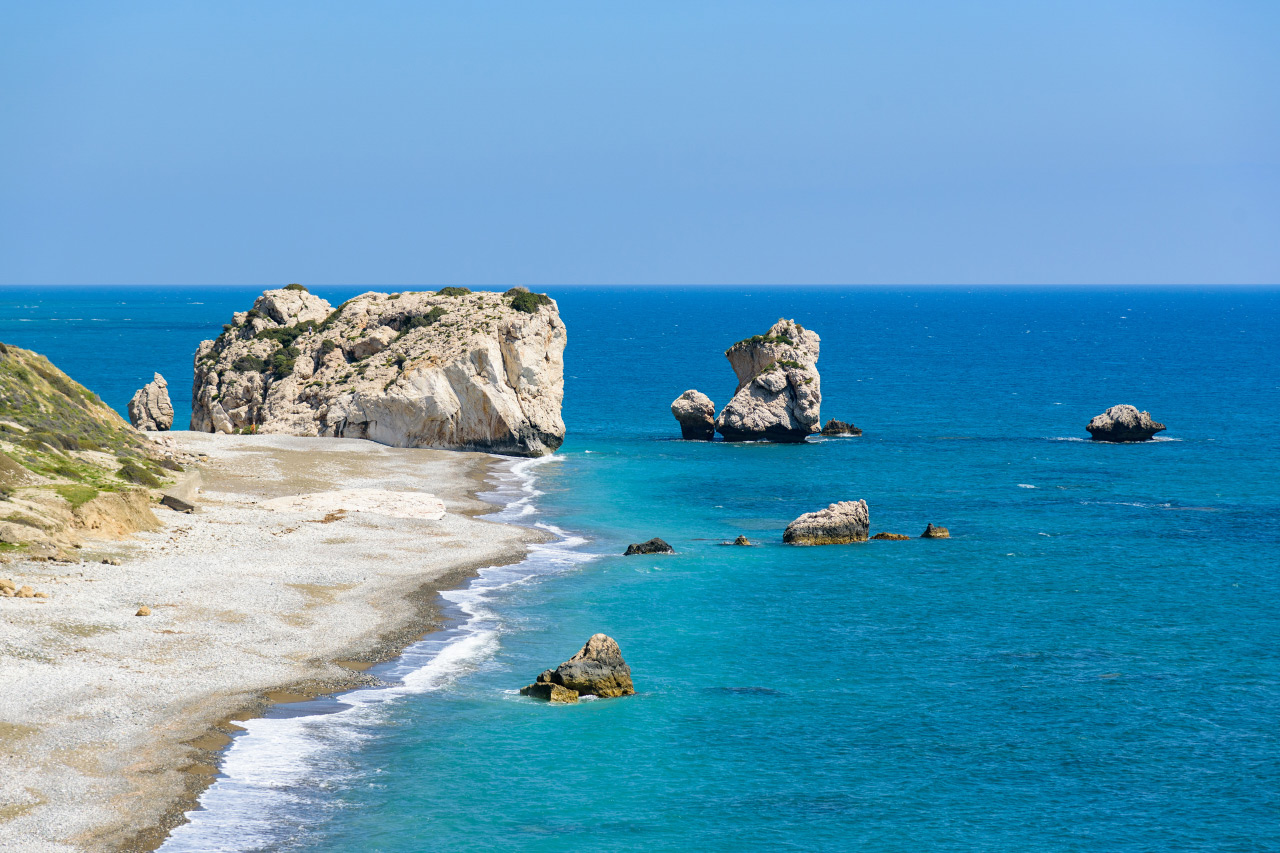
pixel 1090 663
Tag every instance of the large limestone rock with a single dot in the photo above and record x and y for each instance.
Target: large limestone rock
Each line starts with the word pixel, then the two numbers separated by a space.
pixel 150 407
pixel 839 523
pixel 696 414
pixel 453 369
pixel 779 392
pixel 597 669
pixel 1123 423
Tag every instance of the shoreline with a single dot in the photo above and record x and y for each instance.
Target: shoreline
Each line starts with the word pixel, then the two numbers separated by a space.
pixel 327 638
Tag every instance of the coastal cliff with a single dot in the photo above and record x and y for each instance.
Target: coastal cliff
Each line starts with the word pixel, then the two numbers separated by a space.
pixel 449 369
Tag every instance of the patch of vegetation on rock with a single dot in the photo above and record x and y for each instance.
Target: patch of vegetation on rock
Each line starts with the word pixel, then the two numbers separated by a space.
pixel 454 291
pixel 526 302
pixel 296 286
pixel 249 364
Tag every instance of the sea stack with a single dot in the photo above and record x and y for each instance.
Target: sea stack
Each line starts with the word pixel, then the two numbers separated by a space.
pixel 779 391
pixel 452 369
pixel 696 414
pixel 1123 423
pixel 653 546
pixel 150 407
pixel 835 427
pixel 838 524
pixel 597 669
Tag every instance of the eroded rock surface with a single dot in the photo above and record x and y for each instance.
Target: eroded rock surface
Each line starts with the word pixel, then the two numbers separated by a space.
pixel 150 407
pixel 696 414
pixel 1123 423
pixel 932 531
pixel 653 546
pixel 452 369
pixel 597 669
pixel 835 427
pixel 839 523
pixel 779 391
pixel 893 537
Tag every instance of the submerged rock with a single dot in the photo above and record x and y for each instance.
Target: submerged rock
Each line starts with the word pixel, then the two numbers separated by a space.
pixel 839 523
pixel 597 669
pixel 835 427
pixel 653 546
pixel 1123 423
pixel 150 407
pixel 891 536
pixel 779 391
pixel 932 532
pixel 696 414
pixel 452 369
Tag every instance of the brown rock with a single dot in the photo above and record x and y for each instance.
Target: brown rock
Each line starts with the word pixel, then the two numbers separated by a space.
pixel 144 610
pixel 25 592
pixel 550 692
pixel 892 536
pixel 835 427
pixel 742 540
pixel 597 669
pixel 6 584
pixel 932 532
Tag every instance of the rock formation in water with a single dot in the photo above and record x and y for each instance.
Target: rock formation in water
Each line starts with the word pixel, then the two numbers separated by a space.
pixel 779 392
pixel 70 467
pixel 150 408
pixel 839 523
pixel 1123 423
pixel 598 669
pixel 835 427
pixel 696 414
pixel 893 537
pixel 453 369
pixel 653 546
pixel 933 532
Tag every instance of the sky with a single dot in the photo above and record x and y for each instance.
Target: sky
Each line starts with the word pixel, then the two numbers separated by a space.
pixel 740 142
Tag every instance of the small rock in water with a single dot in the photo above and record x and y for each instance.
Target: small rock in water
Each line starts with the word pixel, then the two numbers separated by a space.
pixel 835 427
pixel 839 523
pixel 597 669
pixel 893 536
pixel 653 546
pixel 931 532
pixel 1123 423
pixel 144 610
pixel 696 414
pixel 742 540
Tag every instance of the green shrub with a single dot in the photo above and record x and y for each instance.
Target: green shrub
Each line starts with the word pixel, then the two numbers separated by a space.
pixel 253 314
pixel 76 495
pixel 420 321
pixel 296 286
pixel 249 364
pixel 282 361
pixel 286 335
pixel 794 365
pixel 132 472
pixel 529 303
pixel 326 347
pixel 453 291
pixel 762 339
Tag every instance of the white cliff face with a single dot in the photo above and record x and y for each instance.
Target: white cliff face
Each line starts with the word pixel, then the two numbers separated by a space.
pixel 779 394
pixel 469 371
pixel 150 407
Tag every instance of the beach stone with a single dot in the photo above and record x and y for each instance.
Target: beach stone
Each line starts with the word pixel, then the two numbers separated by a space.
pixel 144 610
pixel 7 584
pixel 1123 423
pixel 890 536
pixel 933 532
pixel 779 391
pixel 839 523
pixel 696 414
pixel 835 427
pixel 150 407
pixel 25 592
pixel 653 546
pixel 549 692
pixel 181 496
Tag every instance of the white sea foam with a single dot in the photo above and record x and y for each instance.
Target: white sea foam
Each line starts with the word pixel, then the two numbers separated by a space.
pixel 1025 486
pixel 275 772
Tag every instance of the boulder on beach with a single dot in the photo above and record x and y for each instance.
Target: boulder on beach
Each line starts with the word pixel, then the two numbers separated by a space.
pixel 839 523
pixel 835 427
pixel 597 669
pixel 696 414
pixel 890 536
pixel 1123 423
pixel 653 546
pixel 779 391
pixel 934 532
pixel 150 407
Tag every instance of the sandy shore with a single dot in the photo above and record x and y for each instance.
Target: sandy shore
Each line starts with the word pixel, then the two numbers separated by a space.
pixel 111 722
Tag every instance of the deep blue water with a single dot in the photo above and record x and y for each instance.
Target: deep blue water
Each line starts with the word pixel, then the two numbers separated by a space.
pixel 1092 662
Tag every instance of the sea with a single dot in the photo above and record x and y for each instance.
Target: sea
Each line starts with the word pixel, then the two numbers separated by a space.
pixel 1090 663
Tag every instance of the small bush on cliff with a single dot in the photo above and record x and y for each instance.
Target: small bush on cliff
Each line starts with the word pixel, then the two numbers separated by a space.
pixel 134 473
pixel 420 321
pixel 249 364
pixel 762 339
pixel 326 347
pixel 285 336
pixel 296 286
pixel 282 361
pixel 529 303
pixel 454 291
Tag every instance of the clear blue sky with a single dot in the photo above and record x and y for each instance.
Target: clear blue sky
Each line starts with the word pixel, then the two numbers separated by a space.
pixel 659 142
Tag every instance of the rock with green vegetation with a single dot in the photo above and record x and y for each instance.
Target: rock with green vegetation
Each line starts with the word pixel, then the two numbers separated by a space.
pixel 150 408
pixel 70 466
pixel 779 393
pixel 453 369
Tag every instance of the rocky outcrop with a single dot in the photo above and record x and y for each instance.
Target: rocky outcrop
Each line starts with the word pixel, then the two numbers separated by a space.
pixel 598 670
pixel 1123 423
pixel 696 414
pixel 839 523
pixel 779 392
pixel 835 427
pixel 453 369
pixel 742 540
pixel 653 546
pixel 893 537
pixel 933 532
pixel 150 407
